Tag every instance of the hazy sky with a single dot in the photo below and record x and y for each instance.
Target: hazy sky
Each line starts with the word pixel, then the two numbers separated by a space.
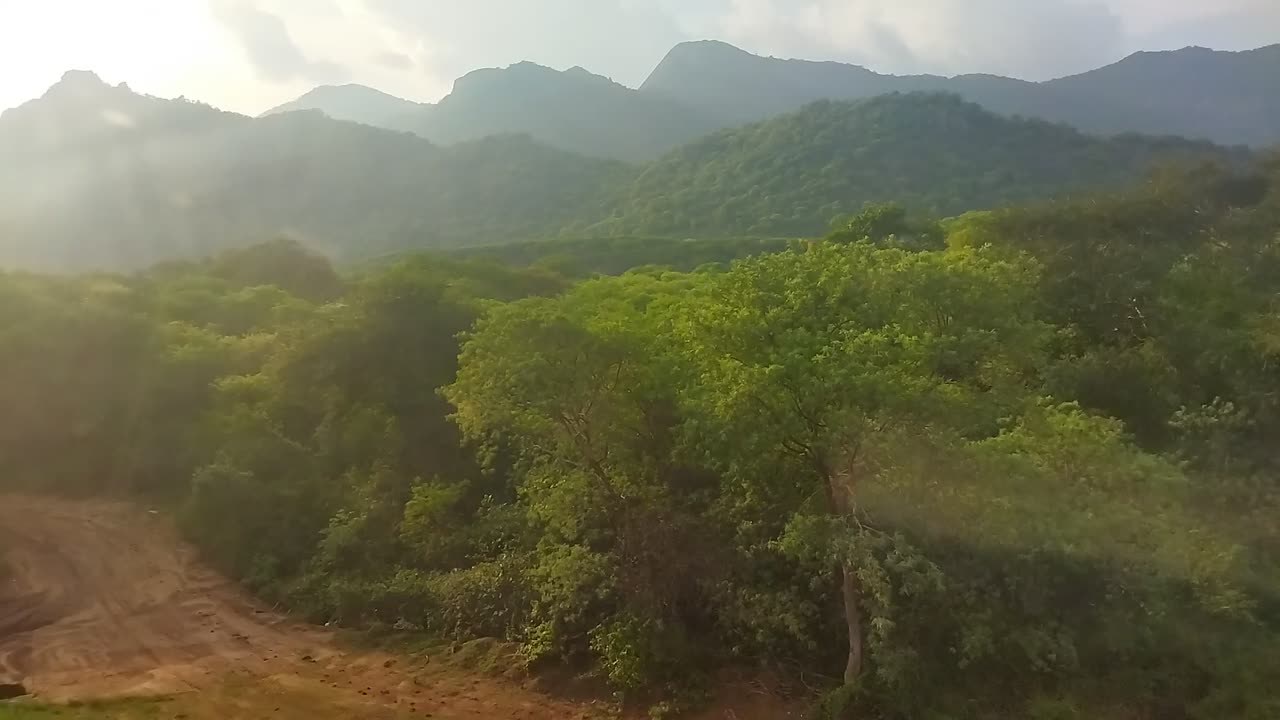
pixel 248 55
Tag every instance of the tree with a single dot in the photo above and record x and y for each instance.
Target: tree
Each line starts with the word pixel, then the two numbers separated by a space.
pixel 822 353
pixel 579 386
pixel 887 224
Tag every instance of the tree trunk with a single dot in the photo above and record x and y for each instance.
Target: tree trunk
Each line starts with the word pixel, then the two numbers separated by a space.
pixel 840 493
pixel 852 618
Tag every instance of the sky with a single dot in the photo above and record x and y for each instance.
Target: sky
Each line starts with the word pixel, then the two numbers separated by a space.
pixel 250 55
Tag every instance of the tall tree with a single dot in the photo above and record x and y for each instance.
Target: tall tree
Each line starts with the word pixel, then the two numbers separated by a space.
pixel 581 387
pixel 824 353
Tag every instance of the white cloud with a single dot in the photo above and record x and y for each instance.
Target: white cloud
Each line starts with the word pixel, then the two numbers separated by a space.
pixel 622 39
pixel 269 45
pixel 151 44
pixel 331 41
pixel 1225 25
pixel 1033 40
pixel 247 55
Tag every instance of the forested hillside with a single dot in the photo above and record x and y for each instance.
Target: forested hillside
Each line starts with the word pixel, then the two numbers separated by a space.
pixel 99 177
pixel 96 177
pixel 1015 465
pixel 933 153
pixel 584 257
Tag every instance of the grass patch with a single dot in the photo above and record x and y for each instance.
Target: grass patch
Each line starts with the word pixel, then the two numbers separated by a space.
pixel 487 656
pixel 133 709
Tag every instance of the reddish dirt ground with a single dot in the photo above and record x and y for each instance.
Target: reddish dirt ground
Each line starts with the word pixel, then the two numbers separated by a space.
pixel 102 600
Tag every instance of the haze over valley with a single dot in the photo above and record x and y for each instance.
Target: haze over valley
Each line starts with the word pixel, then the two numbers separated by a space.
pixel 101 177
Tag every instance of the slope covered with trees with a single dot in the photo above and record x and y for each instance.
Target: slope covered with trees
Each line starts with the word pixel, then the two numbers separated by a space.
pixel 98 177
pixel 933 153
pixel 1015 465
pixel 585 257
pixel 93 176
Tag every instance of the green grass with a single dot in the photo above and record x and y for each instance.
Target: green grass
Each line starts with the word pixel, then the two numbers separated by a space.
pixel 487 656
pixel 142 709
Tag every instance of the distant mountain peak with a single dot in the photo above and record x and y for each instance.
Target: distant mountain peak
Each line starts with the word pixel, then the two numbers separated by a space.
pixel 1183 53
pixel 348 91
pixel 482 76
pixel 80 85
pixel 1228 97
pixel 695 53
pixel 80 78
pixel 79 97
pixel 524 76
pixel 524 66
pixel 705 46
pixel 351 102
pixel 346 87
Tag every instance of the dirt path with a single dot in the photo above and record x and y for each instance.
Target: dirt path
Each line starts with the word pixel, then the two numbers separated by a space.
pixel 102 600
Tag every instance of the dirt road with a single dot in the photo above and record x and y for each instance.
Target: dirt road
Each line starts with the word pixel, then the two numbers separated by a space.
pixel 102 600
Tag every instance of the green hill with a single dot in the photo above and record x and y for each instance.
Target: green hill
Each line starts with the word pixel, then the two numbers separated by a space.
pixel 93 176
pixel 932 153
pixel 99 177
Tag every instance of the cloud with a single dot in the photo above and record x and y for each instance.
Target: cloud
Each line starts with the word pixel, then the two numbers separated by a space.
pixel 1227 25
pixel 267 43
pixel 394 60
pixel 623 39
pixel 417 48
pixel 1034 40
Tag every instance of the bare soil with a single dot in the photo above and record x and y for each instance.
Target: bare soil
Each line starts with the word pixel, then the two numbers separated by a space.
pixel 102 600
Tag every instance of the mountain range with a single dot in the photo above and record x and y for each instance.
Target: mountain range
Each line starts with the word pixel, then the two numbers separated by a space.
pixel 1231 98
pixel 934 153
pixel 94 176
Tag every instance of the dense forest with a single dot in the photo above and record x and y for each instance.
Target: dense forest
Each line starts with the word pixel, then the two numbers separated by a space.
pixel 96 177
pixel 936 154
pixel 1015 464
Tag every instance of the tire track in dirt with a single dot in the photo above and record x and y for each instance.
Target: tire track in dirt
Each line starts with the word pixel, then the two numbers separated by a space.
pixel 101 600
